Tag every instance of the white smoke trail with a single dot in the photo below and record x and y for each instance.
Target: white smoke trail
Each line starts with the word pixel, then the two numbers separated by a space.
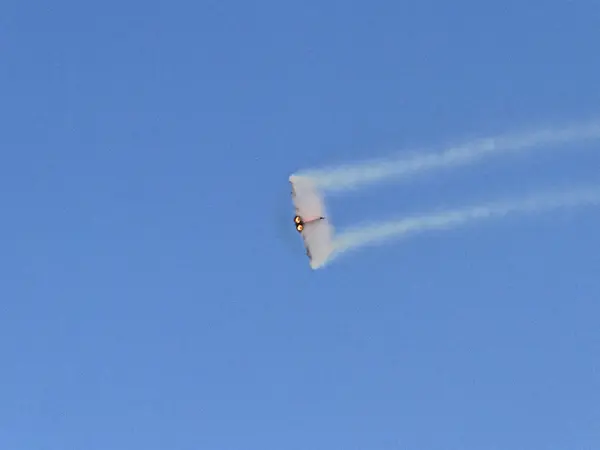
pixel 380 233
pixel 352 176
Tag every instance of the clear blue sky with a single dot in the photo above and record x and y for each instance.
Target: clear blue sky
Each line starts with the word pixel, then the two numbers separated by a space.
pixel 155 295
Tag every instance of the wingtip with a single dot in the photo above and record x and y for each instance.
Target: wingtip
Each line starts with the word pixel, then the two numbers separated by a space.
pixel 305 180
pixel 316 265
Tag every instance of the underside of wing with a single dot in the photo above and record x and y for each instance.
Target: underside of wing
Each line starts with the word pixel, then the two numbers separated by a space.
pixel 307 200
pixel 318 240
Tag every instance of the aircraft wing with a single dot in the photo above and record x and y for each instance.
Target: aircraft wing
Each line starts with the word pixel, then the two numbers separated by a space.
pixel 318 241
pixel 307 200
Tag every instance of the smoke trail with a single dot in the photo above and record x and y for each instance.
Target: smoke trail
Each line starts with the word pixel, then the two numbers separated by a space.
pixel 380 233
pixel 352 176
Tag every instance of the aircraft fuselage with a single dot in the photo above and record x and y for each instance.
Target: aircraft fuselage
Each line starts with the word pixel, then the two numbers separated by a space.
pixel 300 222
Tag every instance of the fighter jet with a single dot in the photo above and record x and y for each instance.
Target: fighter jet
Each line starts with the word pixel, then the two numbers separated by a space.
pixel 311 221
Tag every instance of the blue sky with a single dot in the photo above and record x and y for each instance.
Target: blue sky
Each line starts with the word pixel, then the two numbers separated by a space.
pixel 154 293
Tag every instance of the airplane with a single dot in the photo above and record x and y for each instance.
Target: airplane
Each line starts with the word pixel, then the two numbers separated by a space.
pixel 311 221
